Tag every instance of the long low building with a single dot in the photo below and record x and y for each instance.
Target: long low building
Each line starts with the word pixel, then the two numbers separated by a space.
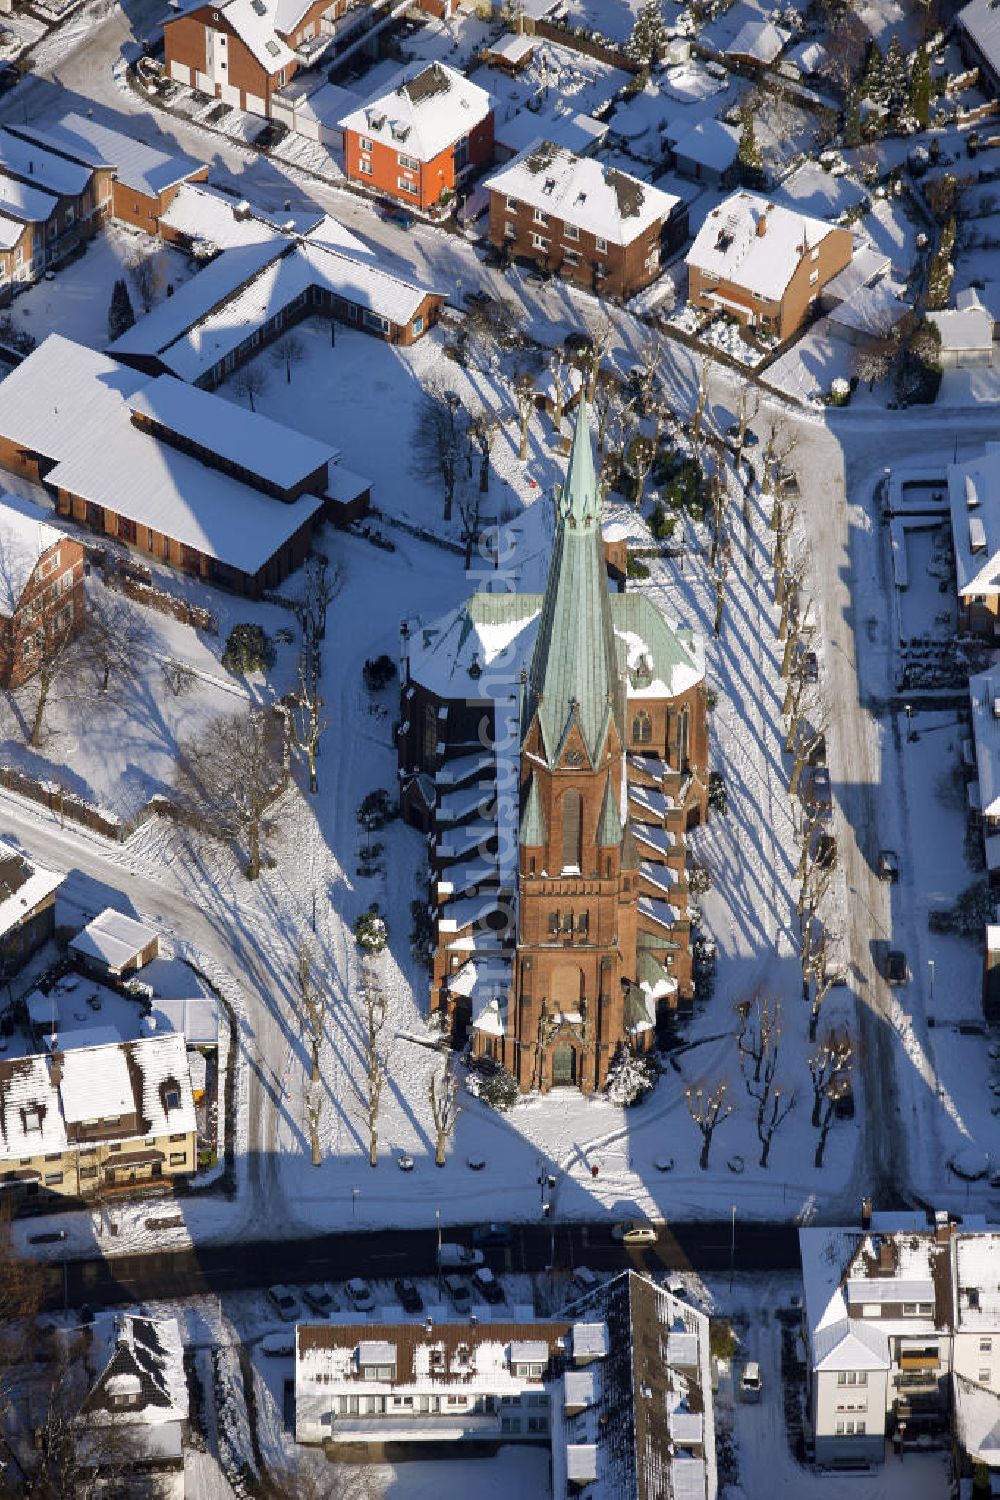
pixel 184 476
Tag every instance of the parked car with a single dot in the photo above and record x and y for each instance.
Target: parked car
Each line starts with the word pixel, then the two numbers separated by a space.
pixel 810 666
pixel 843 1104
pixel 487 1285
pixel 750 438
pixel 817 755
pixel 577 342
pixel 458 1291
pixel 360 1294
pixel 409 1298
pixel 393 214
pixel 459 1257
pixel 320 1299
pixel 279 1344
pixel 888 865
pixel 897 970
pixel 586 1279
pixel 751 1384
pixel 491 1236
pixel 820 793
pixel 634 1232
pixel 284 1302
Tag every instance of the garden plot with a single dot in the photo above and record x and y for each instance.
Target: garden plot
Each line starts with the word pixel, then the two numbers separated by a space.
pixel 556 82
pixel 926 606
pixel 823 194
pixel 75 303
pixel 642 119
pixel 810 366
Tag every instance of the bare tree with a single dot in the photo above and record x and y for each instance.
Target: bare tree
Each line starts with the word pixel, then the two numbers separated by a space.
pixel 307 722
pixel 287 351
pixel 439 442
pixel 50 643
pixel 700 401
pixel 115 639
pixel 445 1109
pixel 809 735
pixel 874 359
pixel 147 275
pixel 482 430
pixel 747 407
pixel 376 1055
pixel 322 584
pixel 823 973
pixel 607 399
pixel 720 574
pixel 560 370
pixel 311 1476
pixel 314 1000
pixel 758 1035
pixel 524 402
pixel 645 376
pixel 720 500
pixel 838 1088
pixel 250 381
pixel 601 334
pixel 826 1065
pixel 774 1106
pixel 708 1108
pixel 637 460
pixel 229 775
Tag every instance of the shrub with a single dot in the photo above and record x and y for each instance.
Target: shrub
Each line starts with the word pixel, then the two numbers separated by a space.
pixel 636 568
pixel 376 810
pixel 378 672
pixel 718 797
pixel 371 931
pixel 840 391
pixel 699 880
pixel 495 1086
pixel 722 1340
pixel 247 650
pixel 630 1078
pixel 660 523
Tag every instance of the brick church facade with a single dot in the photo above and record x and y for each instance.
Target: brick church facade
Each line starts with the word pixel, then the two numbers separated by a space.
pixel 555 749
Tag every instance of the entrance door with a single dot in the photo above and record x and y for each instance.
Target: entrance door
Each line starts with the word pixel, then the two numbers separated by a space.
pixel 563 1066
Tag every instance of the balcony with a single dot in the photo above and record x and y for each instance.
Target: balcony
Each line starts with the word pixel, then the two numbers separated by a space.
pixel 920 1359
pixel 404 1426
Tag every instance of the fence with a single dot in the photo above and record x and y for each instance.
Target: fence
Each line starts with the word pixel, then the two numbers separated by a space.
pixel 602 51
pixel 69 806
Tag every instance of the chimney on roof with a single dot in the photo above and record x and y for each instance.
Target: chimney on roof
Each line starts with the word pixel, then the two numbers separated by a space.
pixel 885 1256
pixel 762 226
pixel 866 1213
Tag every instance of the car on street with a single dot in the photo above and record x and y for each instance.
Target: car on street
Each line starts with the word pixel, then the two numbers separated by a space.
pixel 391 213
pixel 360 1294
pixel 491 1236
pixel 320 1299
pixel 409 1298
pixel 897 970
pixel 284 1302
pixel 489 1287
pixel 404 1161
pixel 458 1291
pixel 843 1102
pixel 751 1382
pixel 280 1345
pixel 888 865
pixel 819 793
pixel 634 1232
pixel 459 1257
pixel 810 666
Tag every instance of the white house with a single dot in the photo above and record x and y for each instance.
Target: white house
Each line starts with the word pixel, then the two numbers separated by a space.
pixel 974 499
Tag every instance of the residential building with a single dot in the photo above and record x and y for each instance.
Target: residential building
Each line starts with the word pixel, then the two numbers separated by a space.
pixel 41 588
pixel 966 332
pixel 974 501
pixel 422 139
pixel 27 907
pixel 113 944
pixel 555 746
pixel 978 25
pixel 587 222
pixel 128 457
pixel 83 1120
pixel 244 51
pixel 896 1313
pixel 135 1409
pixel 983 790
pixel 763 263
pixel 143 181
pixel 620 1388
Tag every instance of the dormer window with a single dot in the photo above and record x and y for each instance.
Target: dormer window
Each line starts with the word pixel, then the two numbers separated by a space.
pixel 31 1119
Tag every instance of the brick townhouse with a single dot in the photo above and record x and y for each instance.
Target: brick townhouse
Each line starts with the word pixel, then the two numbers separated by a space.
pixel 426 137
pixel 48 205
pixel 583 220
pixel 764 264
pixel 27 907
pixel 41 588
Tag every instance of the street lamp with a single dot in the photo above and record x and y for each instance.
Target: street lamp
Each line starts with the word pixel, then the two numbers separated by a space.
pixel 355 1192
pixel 908 710
pixel 930 965
pixel 437 1218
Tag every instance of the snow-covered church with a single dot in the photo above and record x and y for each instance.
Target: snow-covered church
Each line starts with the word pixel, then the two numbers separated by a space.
pixel 554 747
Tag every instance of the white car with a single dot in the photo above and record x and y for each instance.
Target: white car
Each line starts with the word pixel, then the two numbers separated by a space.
pixel 459 1258
pixel 360 1294
pixel 751 1383
pixel 634 1232
pixel 284 1302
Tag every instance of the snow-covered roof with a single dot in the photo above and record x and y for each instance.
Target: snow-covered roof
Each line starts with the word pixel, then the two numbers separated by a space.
pixel 981 20
pixel 590 1340
pixel 23 886
pixel 583 191
pixel 429 109
pixel 32 205
pixel 113 939
pixel 54 173
pixel 95 1084
pixel 30 1120
pixel 274 453
pixel 478 1357
pixel 87 140
pixel 977 1421
pixel 126 1353
pixel 809 56
pixel 261 26
pixel 166 1100
pixel 200 212
pixel 873 310
pixel 710 143
pixel 760 40
pixel 71 403
pixel 574 132
pixel 11 231
pixel 755 243
pixel 867 264
pixel 25 536
pixel 974 501
pixel 977 1268
pixel 964 328
pixel 984 696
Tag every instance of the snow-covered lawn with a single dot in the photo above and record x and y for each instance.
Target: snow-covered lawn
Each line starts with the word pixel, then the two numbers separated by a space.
pixel 813 191
pixel 557 81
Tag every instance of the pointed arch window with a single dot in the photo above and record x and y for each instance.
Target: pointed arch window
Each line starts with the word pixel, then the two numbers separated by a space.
pixel 683 732
pixel 642 728
pixel 572 831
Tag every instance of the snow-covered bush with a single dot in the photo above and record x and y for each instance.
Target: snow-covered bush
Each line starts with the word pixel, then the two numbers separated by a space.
pixel 840 391
pixel 247 650
pixel 371 931
pixel 494 1085
pixel 378 672
pixel 630 1078
pixel 699 880
pixel 376 809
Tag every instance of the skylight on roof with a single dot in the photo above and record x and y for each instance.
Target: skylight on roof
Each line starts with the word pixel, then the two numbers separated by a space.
pixel 273 48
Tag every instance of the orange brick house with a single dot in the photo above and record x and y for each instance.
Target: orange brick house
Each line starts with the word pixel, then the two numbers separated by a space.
pixel 244 51
pixel 425 138
pixel 763 263
pixel 554 747
pixel 41 587
pixel 48 206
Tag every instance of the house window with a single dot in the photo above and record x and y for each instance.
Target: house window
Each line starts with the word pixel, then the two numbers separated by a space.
pixel 553 922
pixel 984 1377
pixel 364 144
pixel 539 217
pixel 53 1179
pixel 87 1172
pixel 365 167
pixel 418 324
pixel 642 728
pixel 126 529
pixel 406 186
pixel 986 1346
pixel 190 559
pixel 538 243
pixel 583 923
pixel 683 733
pixel 375 320
pixel 178 1158
pixel 512 205
pixel 567 922
pixel 510 231
pixel 815 254
pixel 571 231
pixel 571 257
pixel 408 163
pixel 95 516
pixel 813 277
pixel 600 245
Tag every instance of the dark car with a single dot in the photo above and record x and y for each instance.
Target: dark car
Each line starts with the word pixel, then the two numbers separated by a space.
pixel 409 1298
pixel 750 438
pixel 491 1236
pixel 480 299
pixel 577 342
pixel 487 1285
pixel 810 666
pixel 897 970
pixel 393 214
pixel 843 1104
